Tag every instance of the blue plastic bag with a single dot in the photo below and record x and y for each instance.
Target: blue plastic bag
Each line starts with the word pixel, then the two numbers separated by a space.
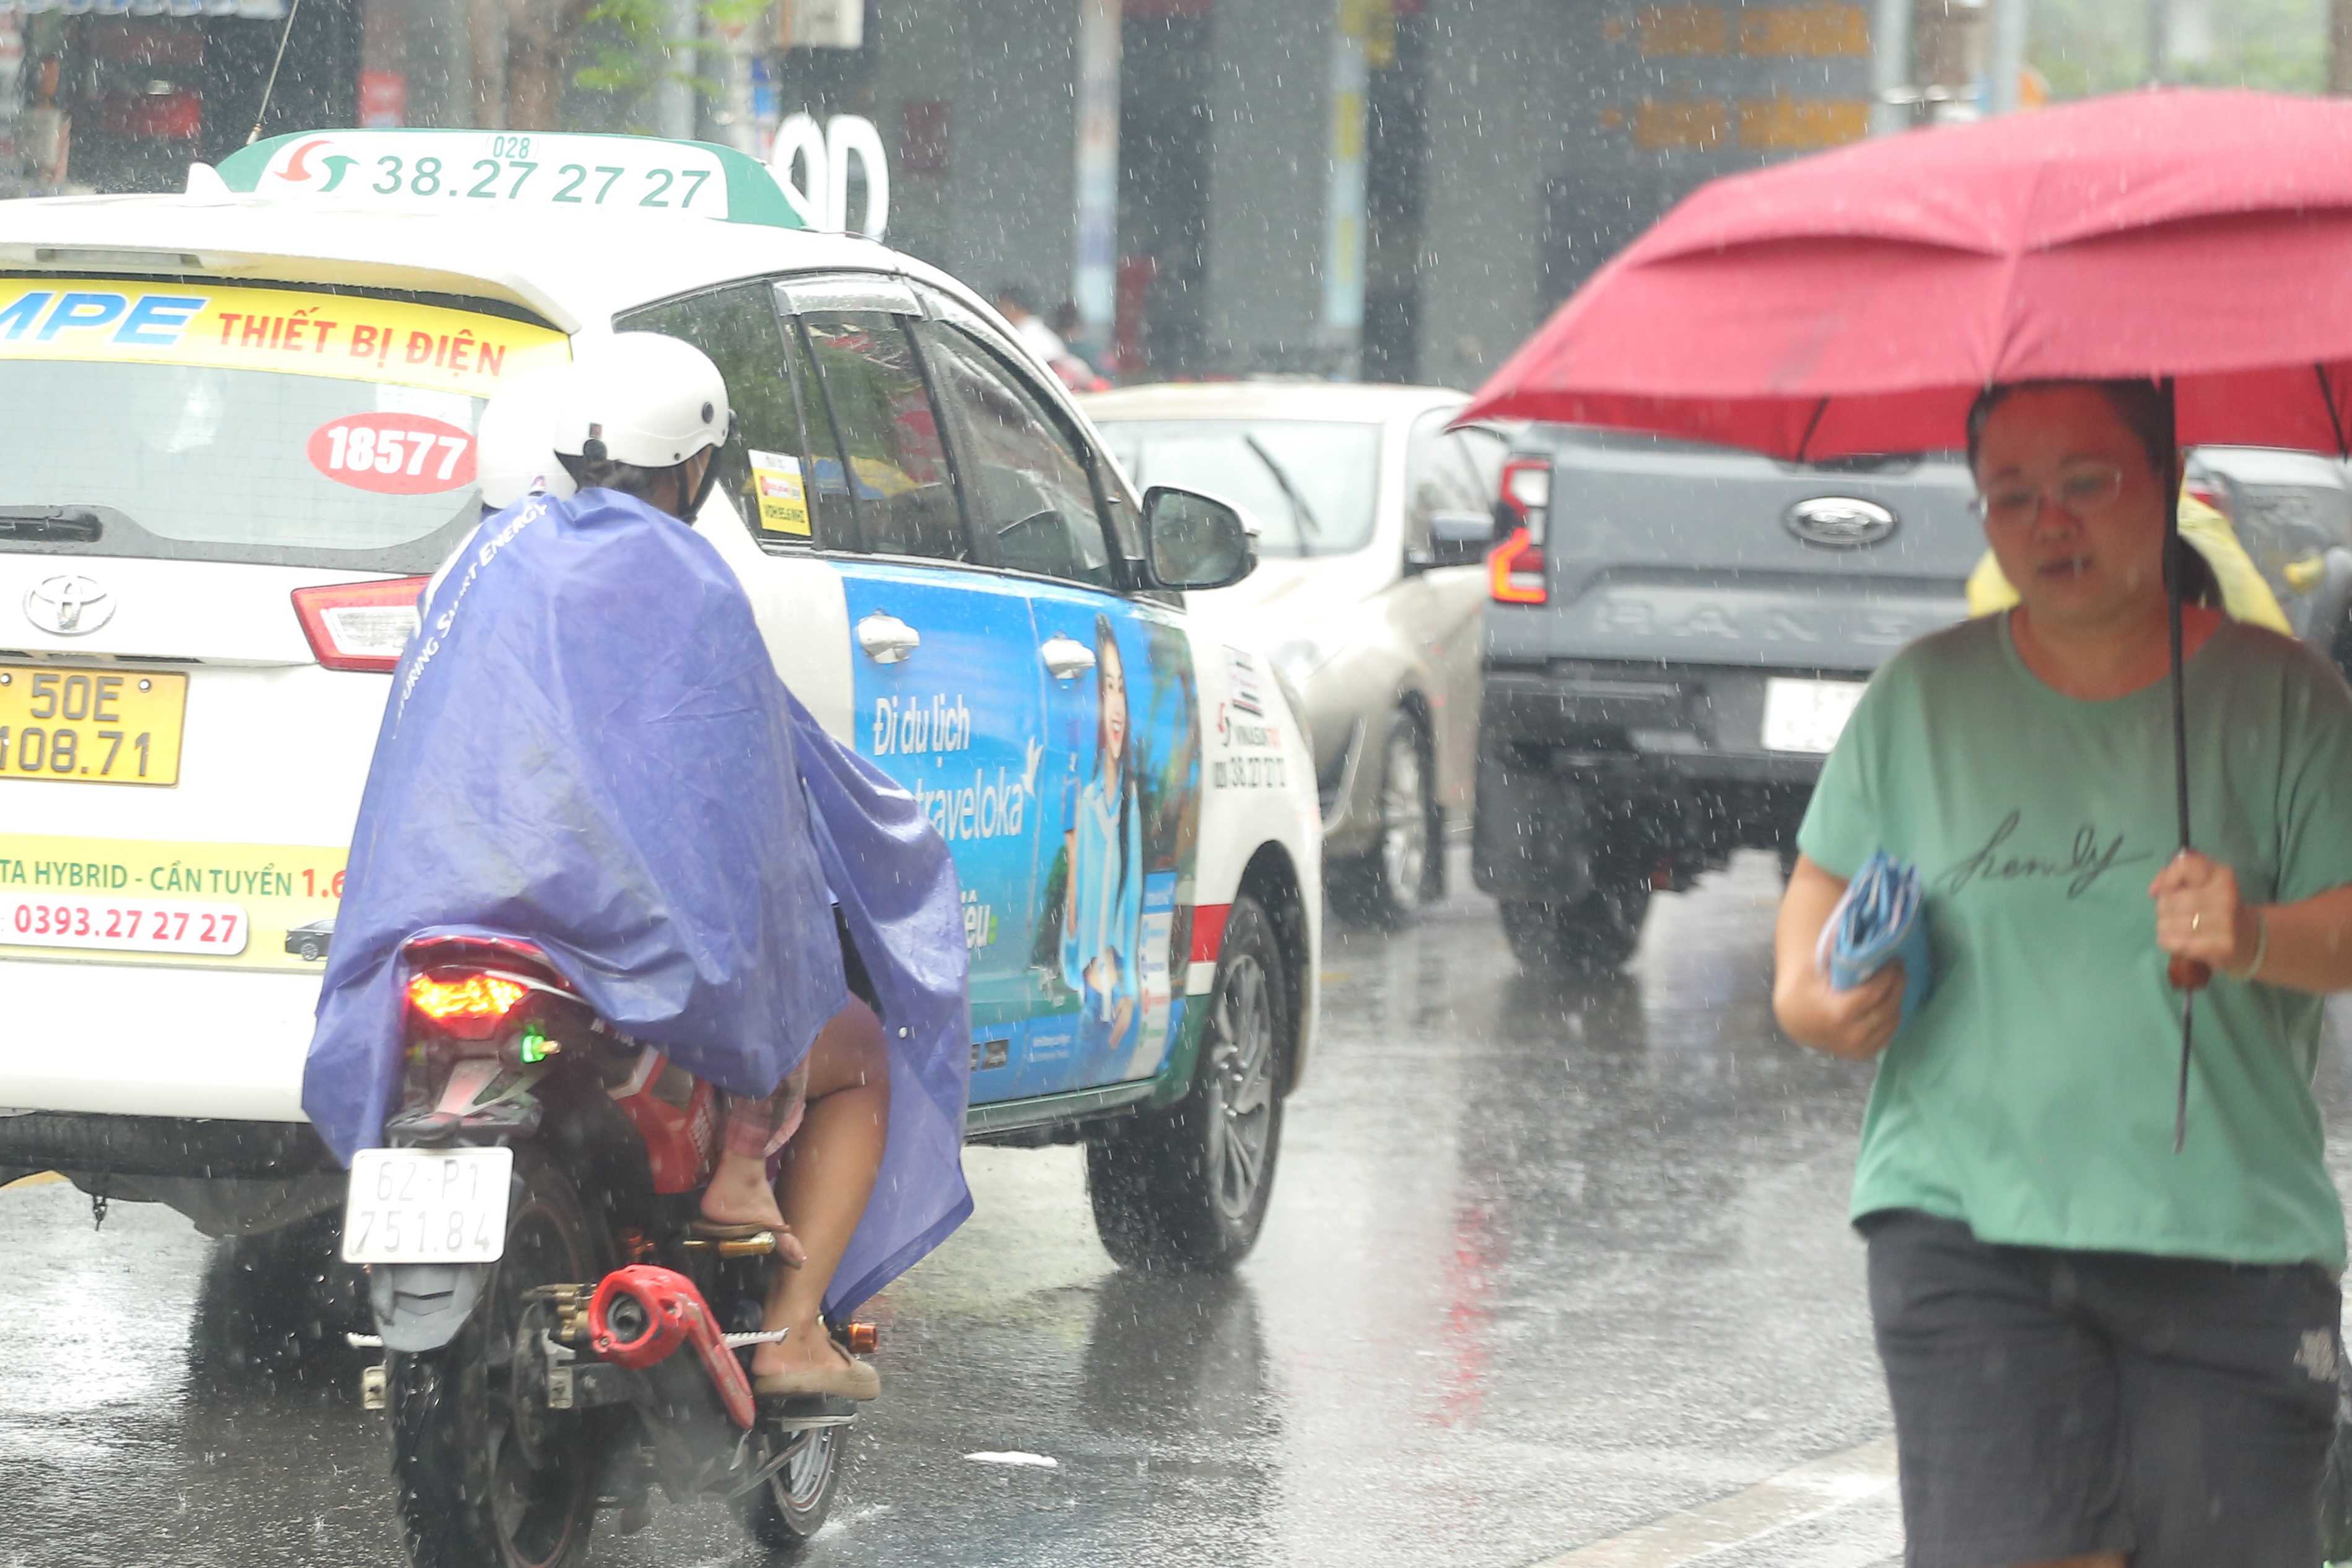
pixel 587 747
pixel 1881 918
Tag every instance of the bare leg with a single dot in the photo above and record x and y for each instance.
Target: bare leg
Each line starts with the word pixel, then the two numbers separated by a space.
pixel 829 1170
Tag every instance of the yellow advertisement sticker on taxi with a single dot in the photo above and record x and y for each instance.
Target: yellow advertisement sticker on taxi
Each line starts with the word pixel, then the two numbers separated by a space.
pixel 776 484
pixel 246 906
pixel 347 336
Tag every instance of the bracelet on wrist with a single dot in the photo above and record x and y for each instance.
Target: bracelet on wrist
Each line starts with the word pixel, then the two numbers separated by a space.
pixel 2262 947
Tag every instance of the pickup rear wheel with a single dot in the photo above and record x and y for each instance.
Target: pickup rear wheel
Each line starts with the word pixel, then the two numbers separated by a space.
pixel 1186 1188
pixel 1593 935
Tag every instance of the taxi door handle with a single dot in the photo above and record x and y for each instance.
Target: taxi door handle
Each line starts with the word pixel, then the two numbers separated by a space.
pixel 1066 658
pixel 887 639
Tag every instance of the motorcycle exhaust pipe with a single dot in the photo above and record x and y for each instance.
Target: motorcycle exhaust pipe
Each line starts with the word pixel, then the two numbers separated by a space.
pixel 641 1315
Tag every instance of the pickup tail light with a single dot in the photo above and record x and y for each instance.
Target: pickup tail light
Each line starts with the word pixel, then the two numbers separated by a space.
pixel 359 625
pixel 467 1005
pixel 1515 568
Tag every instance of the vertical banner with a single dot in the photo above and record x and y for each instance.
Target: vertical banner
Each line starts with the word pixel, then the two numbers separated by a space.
pixel 1343 229
pixel 1094 277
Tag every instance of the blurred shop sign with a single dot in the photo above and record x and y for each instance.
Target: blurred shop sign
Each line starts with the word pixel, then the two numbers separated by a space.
pixel 811 163
pixel 384 100
pixel 827 24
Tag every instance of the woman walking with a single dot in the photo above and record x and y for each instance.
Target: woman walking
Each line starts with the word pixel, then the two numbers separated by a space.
pixel 2098 1351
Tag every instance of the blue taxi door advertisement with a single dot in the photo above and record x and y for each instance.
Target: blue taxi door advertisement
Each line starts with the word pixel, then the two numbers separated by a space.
pixel 1122 807
pixel 958 723
pixel 1071 808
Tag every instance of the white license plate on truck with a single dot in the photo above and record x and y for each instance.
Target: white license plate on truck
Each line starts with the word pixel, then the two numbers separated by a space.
pixel 428 1205
pixel 1807 716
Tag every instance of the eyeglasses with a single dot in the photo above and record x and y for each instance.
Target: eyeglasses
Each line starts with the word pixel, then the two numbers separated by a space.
pixel 2082 488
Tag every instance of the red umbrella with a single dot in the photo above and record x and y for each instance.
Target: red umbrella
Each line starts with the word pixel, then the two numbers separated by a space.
pixel 1858 301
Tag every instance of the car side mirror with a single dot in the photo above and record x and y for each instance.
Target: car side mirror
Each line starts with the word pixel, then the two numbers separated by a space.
pixel 1196 541
pixel 1456 538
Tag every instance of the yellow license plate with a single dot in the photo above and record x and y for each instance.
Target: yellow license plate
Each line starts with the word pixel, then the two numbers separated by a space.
pixel 91 727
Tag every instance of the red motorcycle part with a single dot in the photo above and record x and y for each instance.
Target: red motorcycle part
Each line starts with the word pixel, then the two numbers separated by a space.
pixel 641 1314
pixel 677 1116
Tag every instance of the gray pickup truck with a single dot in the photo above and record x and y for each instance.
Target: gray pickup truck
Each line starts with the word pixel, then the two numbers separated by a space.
pixel 1676 633
pixel 1675 636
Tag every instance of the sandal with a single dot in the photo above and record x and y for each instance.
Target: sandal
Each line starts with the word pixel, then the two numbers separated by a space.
pixel 852 1379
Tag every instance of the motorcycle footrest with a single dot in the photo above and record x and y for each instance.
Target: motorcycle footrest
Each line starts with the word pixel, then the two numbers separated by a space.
pixel 796 1413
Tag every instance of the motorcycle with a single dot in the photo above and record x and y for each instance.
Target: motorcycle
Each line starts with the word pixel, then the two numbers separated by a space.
pixel 562 1336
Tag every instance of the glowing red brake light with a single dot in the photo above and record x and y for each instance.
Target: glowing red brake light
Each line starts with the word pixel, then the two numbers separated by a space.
pixel 1515 568
pixel 359 625
pixel 468 1005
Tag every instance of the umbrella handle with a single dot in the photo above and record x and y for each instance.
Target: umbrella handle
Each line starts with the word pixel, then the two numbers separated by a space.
pixel 2189 974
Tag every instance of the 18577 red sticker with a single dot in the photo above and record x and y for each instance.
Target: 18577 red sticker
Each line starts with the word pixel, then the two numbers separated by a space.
pixel 393 454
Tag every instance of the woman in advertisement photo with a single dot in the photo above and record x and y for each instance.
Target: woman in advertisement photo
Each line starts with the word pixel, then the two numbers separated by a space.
pixel 1102 915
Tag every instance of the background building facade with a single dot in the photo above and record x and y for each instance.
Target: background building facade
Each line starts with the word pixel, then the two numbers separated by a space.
pixel 1395 188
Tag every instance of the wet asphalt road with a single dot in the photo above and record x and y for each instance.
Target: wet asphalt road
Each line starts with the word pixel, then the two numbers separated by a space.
pixel 1544 1263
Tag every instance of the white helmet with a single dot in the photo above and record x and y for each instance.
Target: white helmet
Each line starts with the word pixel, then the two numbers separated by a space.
pixel 640 398
pixel 514 452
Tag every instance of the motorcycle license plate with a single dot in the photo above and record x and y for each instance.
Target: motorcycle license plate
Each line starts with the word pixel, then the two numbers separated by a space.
pixel 428 1205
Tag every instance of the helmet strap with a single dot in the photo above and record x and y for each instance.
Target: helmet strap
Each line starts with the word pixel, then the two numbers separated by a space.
pixel 710 471
pixel 701 491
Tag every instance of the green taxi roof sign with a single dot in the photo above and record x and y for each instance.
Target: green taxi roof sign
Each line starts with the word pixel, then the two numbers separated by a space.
pixel 453 170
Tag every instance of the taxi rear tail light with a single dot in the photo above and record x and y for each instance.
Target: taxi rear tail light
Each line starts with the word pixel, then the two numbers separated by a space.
pixel 359 625
pixel 467 1005
pixel 1515 568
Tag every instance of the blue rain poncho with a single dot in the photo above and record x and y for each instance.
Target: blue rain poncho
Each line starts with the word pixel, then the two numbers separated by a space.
pixel 587 747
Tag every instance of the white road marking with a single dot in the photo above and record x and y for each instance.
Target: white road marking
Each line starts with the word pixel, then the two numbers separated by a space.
pixel 1015 1457
pixel 1806 1492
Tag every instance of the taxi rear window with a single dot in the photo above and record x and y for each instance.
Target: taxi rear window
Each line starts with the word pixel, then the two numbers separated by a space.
pixel 276 426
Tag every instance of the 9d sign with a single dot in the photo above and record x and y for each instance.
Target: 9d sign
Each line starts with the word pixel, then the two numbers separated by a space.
pixel 393 454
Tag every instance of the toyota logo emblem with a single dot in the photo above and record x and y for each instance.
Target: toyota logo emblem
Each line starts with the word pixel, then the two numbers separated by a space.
pixel 70 605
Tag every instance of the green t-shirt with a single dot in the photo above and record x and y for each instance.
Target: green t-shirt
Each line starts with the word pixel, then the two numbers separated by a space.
pixel 2033 1096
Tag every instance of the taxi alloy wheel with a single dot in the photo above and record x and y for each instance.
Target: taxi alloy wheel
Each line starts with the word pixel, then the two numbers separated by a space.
pixel 1238 1088
pixel 1186 1188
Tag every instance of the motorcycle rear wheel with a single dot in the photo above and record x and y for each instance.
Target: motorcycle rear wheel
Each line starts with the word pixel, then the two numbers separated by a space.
pixel 791 1505
pixel 488 1476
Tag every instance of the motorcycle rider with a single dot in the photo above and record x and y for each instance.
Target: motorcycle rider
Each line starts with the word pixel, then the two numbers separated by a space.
pixel 646 416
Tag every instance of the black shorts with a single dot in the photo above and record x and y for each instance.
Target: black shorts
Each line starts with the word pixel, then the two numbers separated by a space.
pixel 2048 1404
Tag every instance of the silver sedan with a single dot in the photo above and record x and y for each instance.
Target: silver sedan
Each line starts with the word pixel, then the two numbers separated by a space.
pixel 1375 520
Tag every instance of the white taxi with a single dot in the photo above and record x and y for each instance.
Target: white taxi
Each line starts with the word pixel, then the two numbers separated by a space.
pixel 241 431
